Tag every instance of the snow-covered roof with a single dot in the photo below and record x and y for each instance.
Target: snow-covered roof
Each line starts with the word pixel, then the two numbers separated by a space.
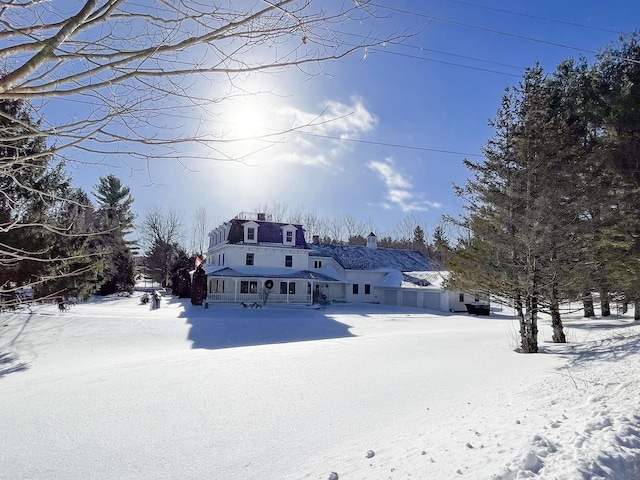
pixel 435 277
pixel 391 279
pixel 363 258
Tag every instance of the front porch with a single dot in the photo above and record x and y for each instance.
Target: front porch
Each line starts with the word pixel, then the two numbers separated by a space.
pixel 258 298
pixel 302 287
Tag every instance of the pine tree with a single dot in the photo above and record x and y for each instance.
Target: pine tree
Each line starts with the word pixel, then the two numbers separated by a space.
pixel 77 274
pixel 419 243
pixel 440 247
pixel 44 240
pixel 617 88
pixel 519 211
pixel 115 220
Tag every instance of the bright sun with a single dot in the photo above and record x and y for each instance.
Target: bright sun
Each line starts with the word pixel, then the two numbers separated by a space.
pixel 248 123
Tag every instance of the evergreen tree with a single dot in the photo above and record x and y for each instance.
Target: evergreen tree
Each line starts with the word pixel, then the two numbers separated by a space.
pixel 617 89
pixel 43 234
pixel 115 221
pixel 419 243
pixel 440 247
pixel 518 211
pixel 77 274
pixel 199 286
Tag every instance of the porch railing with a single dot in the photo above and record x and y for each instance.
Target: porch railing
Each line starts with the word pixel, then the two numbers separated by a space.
pixel 257 298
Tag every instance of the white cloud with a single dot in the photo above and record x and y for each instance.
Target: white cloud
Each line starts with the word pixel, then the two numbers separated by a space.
pixel 400 191
pixel 391 177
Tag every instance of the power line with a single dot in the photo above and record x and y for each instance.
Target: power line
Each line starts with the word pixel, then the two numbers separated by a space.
pixel 440 52
pixel 499 32
pixel 443 62
pixel 511 12
pixel 485 29
pixel 394 145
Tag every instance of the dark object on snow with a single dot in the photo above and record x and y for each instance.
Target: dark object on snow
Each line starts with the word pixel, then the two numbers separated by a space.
pixel 156 299
pixel 145 298
pixel 198 286
pixel 333 476
pixel 250 305
pixel 371 454
pixel 477 309
pixel 61 306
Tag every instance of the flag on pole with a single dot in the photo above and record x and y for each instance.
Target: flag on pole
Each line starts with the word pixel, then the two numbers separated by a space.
pixel 198 261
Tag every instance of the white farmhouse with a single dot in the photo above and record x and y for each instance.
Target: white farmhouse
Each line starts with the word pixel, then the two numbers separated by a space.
pixel 253 259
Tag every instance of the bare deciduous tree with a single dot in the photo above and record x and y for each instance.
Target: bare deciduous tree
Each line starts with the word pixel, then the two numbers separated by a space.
pixel 131 63
pixel 313 224
pixel 276 211
pixel 200 227
pixel 161 226
pixel 296 215
pixel 144 80
pixel 405 227
pixel 161 233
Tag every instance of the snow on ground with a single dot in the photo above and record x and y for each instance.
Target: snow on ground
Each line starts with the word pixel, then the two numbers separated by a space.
pixel 115 390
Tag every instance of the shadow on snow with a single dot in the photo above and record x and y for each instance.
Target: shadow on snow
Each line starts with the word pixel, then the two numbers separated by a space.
pixel 228 325
pixel 9 364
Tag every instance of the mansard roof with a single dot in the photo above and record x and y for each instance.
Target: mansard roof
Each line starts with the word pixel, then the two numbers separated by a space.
pixel 268 232
pixel 353 257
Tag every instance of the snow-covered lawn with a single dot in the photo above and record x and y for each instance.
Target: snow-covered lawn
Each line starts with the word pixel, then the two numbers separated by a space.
pixel 114 390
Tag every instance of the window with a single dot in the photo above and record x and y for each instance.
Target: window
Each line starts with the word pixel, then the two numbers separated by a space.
pixel 248 287
pixel 292 288
pixel 355 288
pixel 461 297
pixel 317 264
pixel 249 259
pixel 283 288
pixel 251 233
pixel 367 289
pixel 289 236
pixel 288 260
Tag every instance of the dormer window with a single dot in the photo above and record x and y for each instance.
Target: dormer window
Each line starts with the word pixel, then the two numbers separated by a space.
pixel 250 232
pixel 288 235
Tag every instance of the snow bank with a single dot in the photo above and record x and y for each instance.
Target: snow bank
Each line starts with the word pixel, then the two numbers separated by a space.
pixel 113 389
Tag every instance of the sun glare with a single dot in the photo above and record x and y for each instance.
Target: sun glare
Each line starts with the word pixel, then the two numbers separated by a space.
pixel 248 123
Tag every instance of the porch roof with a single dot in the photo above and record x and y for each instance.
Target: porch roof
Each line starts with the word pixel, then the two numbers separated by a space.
pixel 265 272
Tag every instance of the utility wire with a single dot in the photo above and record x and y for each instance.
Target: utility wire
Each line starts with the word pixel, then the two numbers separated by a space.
pixel 440 52
pixel 443 62
pixel 546 19
pixel 394 145
pixel 485 29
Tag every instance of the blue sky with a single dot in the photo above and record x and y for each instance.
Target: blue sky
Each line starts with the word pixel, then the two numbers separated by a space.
pixel 403 117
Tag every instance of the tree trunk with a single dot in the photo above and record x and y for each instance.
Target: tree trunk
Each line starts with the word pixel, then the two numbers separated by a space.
pixel 605 308
pixel 529 327
pixel 587 302
pixel 556 324
pixel 625 307
pixel 636 311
